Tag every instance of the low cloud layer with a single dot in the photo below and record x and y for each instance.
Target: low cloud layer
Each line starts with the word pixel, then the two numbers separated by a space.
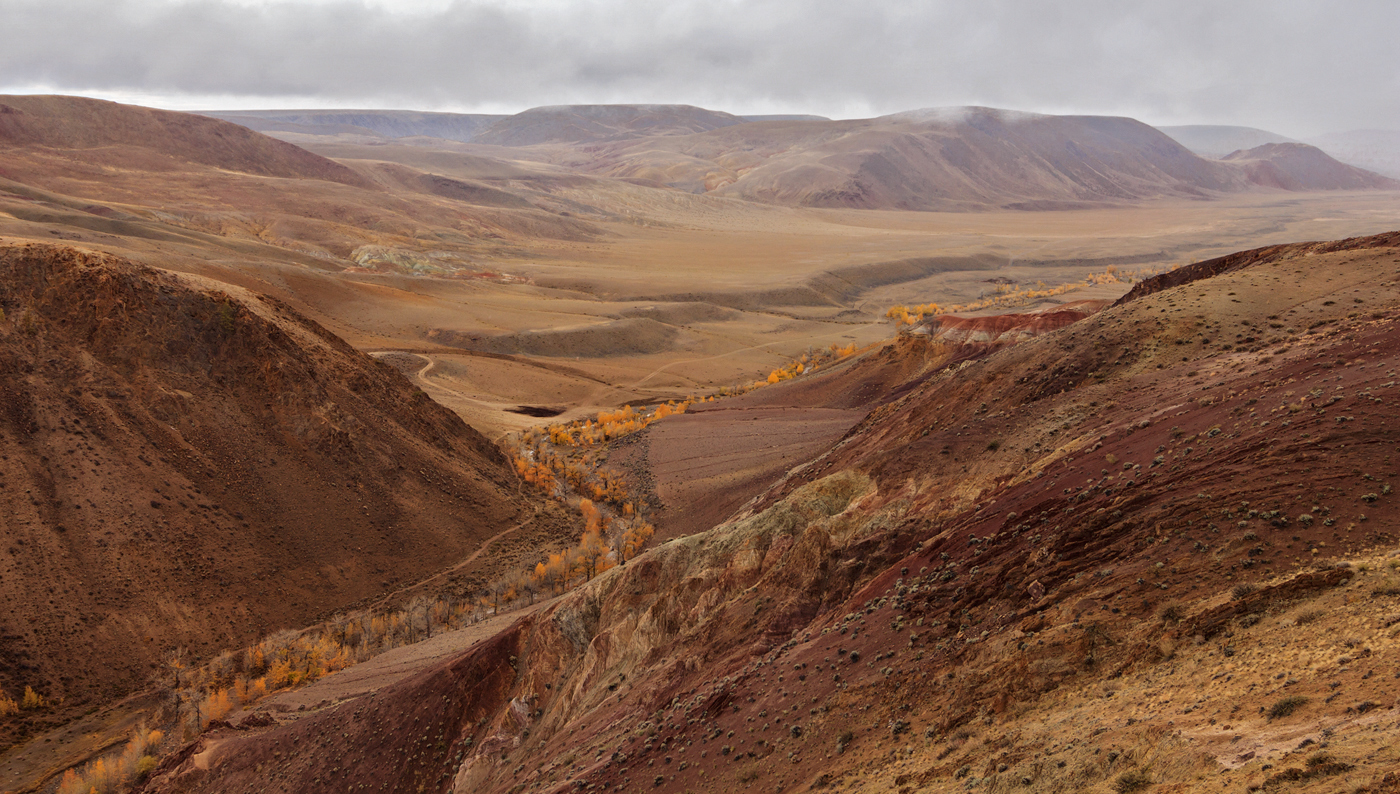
pixel 1298 68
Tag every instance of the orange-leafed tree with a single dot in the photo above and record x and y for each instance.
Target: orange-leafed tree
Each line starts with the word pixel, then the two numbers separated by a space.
pixel 634 538
pixel 593 555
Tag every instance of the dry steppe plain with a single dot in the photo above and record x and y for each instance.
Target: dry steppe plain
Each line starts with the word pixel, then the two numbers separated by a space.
pixel 626 254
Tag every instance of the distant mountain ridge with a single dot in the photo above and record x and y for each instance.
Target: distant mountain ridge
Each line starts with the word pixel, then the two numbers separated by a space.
pixel 785 117
pixel 80 123
pixel 570 123
pixel 587 123
pixel 461 127
pixel 1216 140
pixel 931 159
pixel 951 159
pixel 1373 150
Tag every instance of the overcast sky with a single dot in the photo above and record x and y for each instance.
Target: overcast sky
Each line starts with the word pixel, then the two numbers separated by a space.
pixel 1297 68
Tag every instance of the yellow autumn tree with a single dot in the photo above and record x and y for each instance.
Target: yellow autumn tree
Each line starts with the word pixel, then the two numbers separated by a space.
pixel 8 705
pixel 32 700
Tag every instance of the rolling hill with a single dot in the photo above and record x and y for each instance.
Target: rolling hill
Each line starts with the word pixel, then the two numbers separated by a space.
pixel 190 464
pixel 950 159
pixel 1298 166
pixel 64 122
pixel 947 159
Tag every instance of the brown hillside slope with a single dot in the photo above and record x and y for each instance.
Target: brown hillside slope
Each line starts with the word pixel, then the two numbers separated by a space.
pixel 963 158
pixel 1100 559
pixel 68 122
pixel 706 464
pixel 126 177
pixel 191 465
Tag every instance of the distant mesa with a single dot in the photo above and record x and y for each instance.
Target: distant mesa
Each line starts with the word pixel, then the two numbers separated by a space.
pixel 785 117
pixel 378 123
pixel 551 124
pixel 584 123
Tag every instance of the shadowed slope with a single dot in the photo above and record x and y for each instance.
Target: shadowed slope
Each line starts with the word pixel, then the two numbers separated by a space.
pixel 190 464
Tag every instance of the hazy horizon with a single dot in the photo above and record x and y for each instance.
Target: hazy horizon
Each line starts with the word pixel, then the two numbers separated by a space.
pixel 1296 68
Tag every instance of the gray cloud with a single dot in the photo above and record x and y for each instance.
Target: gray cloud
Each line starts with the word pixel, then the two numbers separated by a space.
pixel 1297 67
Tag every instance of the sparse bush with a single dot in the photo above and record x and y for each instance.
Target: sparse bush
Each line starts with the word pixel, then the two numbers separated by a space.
pixel 1389 587
pixel 1244 590
pixel 1131 781
pixel 1173 613
pixel 1304 618
pixel 1286 706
